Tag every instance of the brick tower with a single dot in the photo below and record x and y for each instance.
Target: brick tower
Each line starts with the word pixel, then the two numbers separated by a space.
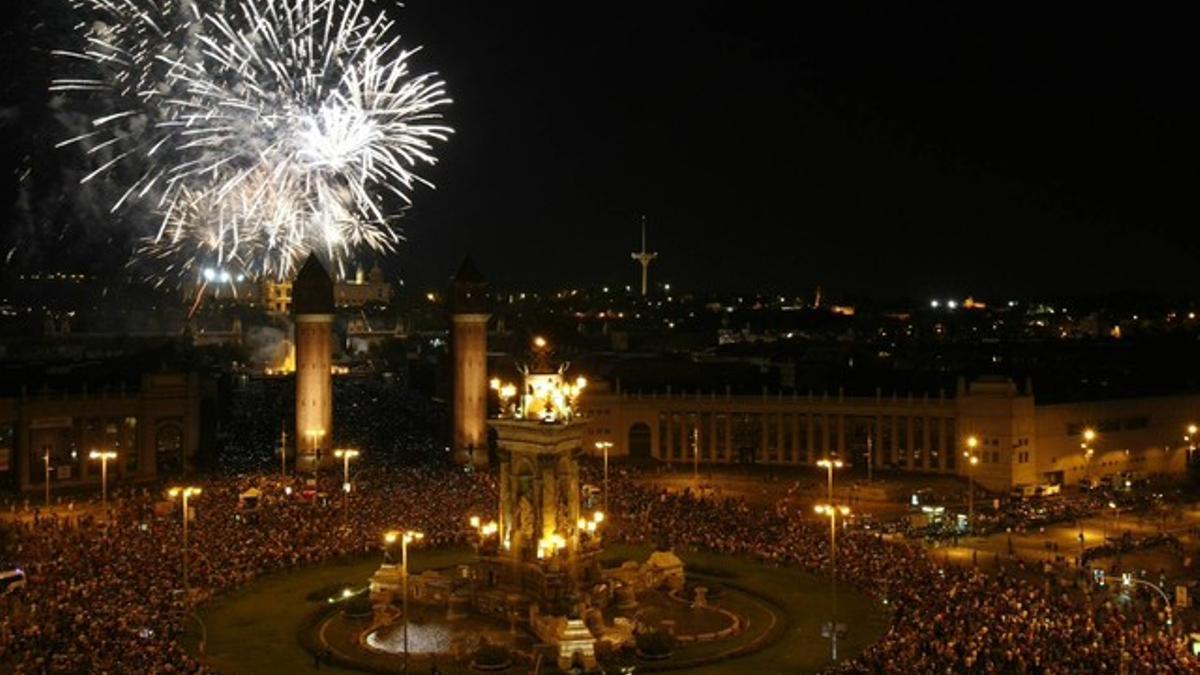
pixel 468 341
pixel 312 311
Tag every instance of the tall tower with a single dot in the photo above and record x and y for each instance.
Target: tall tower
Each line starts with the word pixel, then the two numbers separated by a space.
pixel 468 341
pixel 644 257
pixel 312 310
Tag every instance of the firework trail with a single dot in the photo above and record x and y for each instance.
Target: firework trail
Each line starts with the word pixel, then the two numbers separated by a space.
pixel 256 130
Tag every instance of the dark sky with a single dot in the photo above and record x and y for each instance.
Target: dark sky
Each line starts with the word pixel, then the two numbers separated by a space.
pixel 998 150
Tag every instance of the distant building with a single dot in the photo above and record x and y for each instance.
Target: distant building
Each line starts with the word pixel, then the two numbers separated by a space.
pixel 1019 440
pixel 363 290
pixel 153 426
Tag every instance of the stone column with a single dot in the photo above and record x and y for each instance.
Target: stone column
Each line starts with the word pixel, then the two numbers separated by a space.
pixel 878 448
pixel 728 437
pixel 908 435
pixel 572 488
pixel 796 438
pixel 779 436
pixel 762 437
pixel 809 436
pixel 669 445
pixel 927 432
pixel 549 501
pixel 894 451
pixel 505 515
pixel 943 458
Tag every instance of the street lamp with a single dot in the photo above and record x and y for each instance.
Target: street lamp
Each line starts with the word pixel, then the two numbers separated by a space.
pixel 1190 439
pixel 345 454
pixel 604 446
pixel 314 442
pixel 484 530
pixel 1116 517
pixel 829 465
pixel 283 452
pixel 972 462
pixel 46 459
pixel 185 493
pixel 832 512
pixel 103 456
pixel 695 456
pixel 405 538
pixel 1089 435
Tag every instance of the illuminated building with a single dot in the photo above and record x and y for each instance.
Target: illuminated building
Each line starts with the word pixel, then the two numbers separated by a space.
pixel 276 296
pixel 1021 441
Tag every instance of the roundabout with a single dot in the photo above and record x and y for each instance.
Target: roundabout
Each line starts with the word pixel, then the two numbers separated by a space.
pixel 284 622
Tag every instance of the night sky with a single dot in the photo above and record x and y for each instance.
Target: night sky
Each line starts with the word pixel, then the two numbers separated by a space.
pixel 884 151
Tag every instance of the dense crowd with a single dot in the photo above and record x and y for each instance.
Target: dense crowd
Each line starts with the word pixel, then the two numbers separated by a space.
pixel 946 619
pixel 402 437
pixel 106 598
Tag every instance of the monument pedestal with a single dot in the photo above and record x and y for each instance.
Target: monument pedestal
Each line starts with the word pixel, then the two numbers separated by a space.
pixel 386 584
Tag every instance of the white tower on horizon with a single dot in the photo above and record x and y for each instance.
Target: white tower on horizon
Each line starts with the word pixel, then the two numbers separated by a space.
pixel 644 257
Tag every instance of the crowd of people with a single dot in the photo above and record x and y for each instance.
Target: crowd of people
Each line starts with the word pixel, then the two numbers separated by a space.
pixel 946 618
pixel 105 591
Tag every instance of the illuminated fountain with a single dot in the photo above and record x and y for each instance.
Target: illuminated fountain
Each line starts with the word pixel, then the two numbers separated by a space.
pixel 538 565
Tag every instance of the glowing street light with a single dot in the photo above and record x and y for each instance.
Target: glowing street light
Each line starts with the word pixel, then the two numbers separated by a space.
pixel 829 465
pixel 972 462
pixel 605 446
pixel 345 454
pixel 1190 439
pixel 832 512
pixel 1089 437
pixel 405 538
pixel 103 456
pixel 484 530
pixel 46 459
pixel 315 437
pixel 184 492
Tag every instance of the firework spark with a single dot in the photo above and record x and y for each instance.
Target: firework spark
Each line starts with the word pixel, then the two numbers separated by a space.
pixel 256 130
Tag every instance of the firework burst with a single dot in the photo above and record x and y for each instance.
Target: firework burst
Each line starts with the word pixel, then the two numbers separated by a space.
pixel 256 130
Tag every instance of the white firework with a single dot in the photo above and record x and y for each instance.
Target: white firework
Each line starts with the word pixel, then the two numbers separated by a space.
pixel 257 129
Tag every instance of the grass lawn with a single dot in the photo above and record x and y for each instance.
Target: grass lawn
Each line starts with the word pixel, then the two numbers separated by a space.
pixel 254 629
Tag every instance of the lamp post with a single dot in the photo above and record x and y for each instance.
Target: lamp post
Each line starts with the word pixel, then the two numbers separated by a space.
pixel 484 530
pixel 695 456
pixel 185 493
pixel 972 462
pixel 1190 439
pixel 345 454
pixel 314 442
pixel 283 451
pixel 604 446
pixel 103 456
pixel 46 459
pixel 870 456
pixel 1089 435
pixel 829 465
pixel 832 512
pixel 1116 517
pixel 406 537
